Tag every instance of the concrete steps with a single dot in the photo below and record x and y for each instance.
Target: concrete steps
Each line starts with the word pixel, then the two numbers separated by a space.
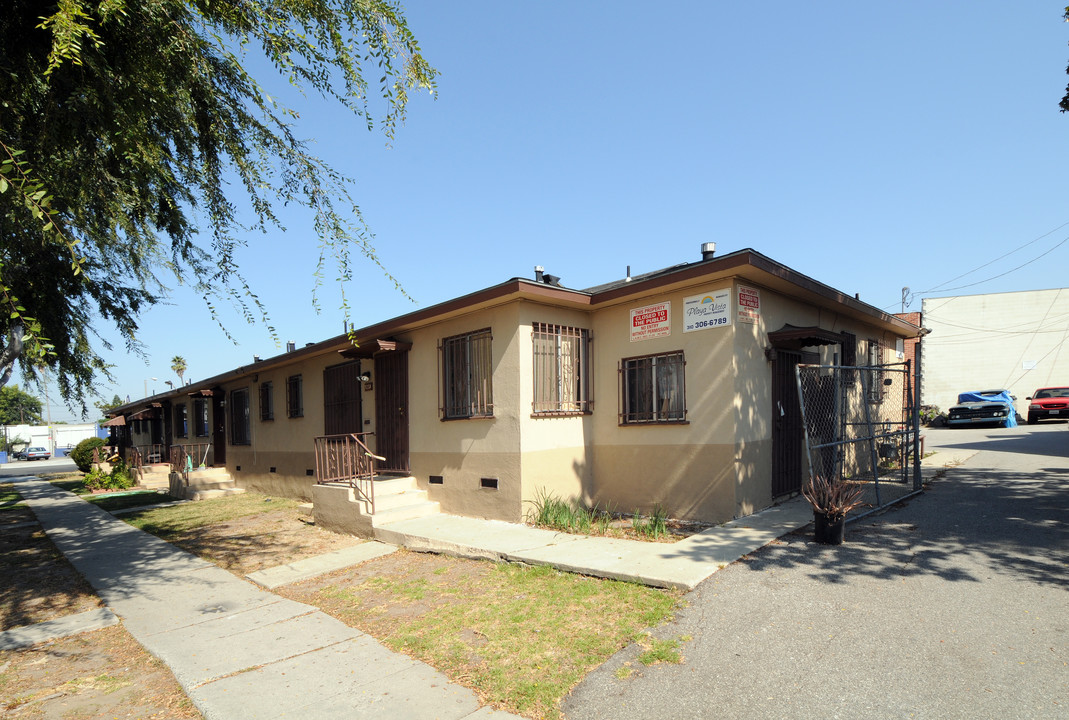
pixel 156 477
pixel 203 484
pixel 337 507
pixel 398 499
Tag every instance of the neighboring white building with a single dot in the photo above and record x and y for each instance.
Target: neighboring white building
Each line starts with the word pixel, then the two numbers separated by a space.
pixel 1015 341
pixel 53 436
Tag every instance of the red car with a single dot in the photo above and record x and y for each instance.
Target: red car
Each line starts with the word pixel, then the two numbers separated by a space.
pixel 1052 402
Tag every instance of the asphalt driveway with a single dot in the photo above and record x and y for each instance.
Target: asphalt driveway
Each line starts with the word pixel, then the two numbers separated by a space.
pixel 953 605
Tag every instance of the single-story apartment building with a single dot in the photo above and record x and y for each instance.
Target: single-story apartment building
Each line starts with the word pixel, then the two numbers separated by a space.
pixel 675 388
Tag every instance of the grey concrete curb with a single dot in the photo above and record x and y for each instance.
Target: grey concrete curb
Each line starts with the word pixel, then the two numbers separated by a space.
pixel 28 635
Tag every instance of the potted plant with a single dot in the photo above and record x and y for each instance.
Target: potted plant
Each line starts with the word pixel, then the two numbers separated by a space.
pixel 831 501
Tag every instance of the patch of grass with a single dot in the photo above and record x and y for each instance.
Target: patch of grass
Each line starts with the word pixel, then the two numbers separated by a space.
pixel 655 525
pixel 623 672
pixel 661 651
pixel 170 522
pixel 71 482
pixel 10 498
pixel 550 511
pixel 137 499
pixel 521 636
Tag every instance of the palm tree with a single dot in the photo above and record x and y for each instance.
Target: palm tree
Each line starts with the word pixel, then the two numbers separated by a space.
pixel 178 364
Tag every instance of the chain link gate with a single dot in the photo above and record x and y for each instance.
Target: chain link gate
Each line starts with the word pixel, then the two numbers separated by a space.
pixel 861 426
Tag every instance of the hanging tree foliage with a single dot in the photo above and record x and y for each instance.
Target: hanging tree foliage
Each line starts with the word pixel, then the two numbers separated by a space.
pixel 120 119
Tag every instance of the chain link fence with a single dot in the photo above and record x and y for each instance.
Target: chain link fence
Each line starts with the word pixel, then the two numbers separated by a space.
pixel 861 426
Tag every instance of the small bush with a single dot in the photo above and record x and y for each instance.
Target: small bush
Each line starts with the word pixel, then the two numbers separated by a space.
pixel 82 454
pixel 118 479
pixel 550 511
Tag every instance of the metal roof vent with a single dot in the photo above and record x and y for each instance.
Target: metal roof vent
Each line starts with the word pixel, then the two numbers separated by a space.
pixel 291 346
pixel 538 273
pixel 708 250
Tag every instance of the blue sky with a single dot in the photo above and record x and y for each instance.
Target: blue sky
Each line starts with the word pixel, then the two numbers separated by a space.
pixel 870 146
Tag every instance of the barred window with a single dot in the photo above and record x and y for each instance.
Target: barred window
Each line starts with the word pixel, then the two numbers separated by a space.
pixel 267 401
pixel 467 375
pixel 875 361
pixel 653 389
pixel 561 369
pixel 294 396
pixel 200 417
pixel 239 417
pixel 181 422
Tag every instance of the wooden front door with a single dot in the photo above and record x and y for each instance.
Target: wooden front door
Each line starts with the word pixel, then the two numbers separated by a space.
pixel 218 428
pixel 787 433
pixel 341 399
pixel 391 410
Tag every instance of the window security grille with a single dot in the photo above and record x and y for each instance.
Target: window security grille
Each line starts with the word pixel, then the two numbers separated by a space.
pixel 561 370
pixel 200 417
pixel 294 397
pixel 653 389
pixel 267 401
pixel 467 375
pixel 239 417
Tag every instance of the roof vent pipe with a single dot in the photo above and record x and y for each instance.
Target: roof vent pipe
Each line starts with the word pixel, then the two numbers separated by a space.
pixel 708 250
pixel 291 346
pixel 538 273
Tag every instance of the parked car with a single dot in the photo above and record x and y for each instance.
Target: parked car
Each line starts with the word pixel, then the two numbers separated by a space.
pixel 984 406
pixel 19 454
pixel 1046 403
pixel 38 453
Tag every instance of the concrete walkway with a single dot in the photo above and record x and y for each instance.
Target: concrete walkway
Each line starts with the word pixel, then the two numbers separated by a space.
pixel 238 651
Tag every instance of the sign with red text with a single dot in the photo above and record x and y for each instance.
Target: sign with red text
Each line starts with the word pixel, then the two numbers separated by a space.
pixel 748 304
pixel 652 321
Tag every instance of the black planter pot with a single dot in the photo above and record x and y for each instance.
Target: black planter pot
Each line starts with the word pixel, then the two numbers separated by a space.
pixel 828 531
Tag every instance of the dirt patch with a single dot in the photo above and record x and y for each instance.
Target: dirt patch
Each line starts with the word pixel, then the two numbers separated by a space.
pixel 100 674
pixel 38 582
pixel 255 542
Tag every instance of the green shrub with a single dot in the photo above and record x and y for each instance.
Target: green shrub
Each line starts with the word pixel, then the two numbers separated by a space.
pixel 655 526
pixel 82 454
pixel 118 479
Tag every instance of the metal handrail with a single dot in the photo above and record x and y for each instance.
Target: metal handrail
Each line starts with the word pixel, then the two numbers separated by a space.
pixel 345 458
pixel 151 453
pixel 186 457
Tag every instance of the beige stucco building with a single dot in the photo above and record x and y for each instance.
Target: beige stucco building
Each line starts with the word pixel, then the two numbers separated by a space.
pixel 672 389
pixel 1013 341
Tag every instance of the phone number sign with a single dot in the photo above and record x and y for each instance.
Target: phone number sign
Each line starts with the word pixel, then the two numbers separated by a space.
pixel 703 312
pixel 652 321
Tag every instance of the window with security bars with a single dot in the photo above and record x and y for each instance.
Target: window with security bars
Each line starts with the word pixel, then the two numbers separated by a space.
pixel 467 376
pixel 239 417
pixel 294 396
pixel 653 389
pixel 181 422
pixel 875 360
pixel 561 369
pixel 267 401
pixel 200 417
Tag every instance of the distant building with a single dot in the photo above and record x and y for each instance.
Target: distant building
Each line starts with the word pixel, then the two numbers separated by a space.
pixel 1014 341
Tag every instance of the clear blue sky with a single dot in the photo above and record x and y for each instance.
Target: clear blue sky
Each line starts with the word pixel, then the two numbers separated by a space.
pixel 870 146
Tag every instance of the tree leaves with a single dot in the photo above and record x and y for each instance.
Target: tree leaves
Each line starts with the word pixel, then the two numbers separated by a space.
pixel 123 126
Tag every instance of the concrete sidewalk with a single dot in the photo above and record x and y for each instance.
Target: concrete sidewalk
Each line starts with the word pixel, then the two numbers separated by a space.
pixel 238 651
pixel 683 564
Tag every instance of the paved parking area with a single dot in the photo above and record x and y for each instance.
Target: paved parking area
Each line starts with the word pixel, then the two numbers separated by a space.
pixel 951 606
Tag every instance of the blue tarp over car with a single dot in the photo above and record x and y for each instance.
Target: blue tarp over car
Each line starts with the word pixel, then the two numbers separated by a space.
pixel 977 406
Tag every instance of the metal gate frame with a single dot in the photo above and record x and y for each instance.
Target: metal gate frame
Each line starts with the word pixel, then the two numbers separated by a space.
pixel 862 428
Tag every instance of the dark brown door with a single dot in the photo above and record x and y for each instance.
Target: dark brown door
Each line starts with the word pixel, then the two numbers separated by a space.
pixel 787 435
pixel 218 428
pixel 391 410
pixel 341 399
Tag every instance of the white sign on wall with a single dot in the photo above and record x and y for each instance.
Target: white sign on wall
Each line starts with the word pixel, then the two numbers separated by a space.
pixel 711 310
pixel 652 321
pixel 749 304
